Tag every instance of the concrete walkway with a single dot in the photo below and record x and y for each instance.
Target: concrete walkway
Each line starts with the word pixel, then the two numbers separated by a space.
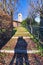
pixel 26 40
pixel 29 50
pixel 21 31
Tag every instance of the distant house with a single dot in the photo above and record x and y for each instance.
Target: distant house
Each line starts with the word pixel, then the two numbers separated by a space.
pixel 20 17
pixel 16 23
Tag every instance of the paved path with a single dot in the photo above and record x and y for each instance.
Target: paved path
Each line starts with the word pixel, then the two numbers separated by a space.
pixel 24 41
pixel 21 31
pixel 28 55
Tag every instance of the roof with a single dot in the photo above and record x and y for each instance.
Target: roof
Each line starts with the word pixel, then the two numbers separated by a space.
pixel 16 21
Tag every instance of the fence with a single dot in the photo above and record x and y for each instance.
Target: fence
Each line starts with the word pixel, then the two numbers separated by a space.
pixel 37 31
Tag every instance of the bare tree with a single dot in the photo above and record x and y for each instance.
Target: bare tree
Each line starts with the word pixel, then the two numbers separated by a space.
pixel 12 7
pixel 35 7
pixel 4 5
pixel 9 6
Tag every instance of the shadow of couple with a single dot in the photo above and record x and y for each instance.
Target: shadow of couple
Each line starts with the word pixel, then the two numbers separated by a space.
pixel 20 53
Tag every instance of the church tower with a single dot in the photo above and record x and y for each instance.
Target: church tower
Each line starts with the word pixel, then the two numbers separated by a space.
pixel 20 17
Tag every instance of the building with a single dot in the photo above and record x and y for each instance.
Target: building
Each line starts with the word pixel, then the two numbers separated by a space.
pixel 16 23
pixel 20 17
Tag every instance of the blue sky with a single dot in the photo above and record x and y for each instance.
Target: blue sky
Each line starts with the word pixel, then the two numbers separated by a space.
pixel 23 8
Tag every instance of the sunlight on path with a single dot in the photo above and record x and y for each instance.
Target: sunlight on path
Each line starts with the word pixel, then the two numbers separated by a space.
pixel 19 48
pixel 21 31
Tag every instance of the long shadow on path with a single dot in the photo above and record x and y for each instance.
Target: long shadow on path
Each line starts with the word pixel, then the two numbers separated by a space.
pixel 21 57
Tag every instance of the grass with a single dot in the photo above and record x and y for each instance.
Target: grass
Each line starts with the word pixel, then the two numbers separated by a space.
pixel 8 48
pixel 2 54
pixel 35 40
pixel 3 30
pixel 21 31
pixel 14 31
pixel 0 31
pixel 39 47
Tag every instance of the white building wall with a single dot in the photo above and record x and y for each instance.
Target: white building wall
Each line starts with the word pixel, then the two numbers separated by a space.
pixel 20 17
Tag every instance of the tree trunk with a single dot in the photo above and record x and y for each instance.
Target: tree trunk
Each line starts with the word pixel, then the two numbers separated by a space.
pixel 11 20
pixel 41 29
pixel 31 27
pixel 4 5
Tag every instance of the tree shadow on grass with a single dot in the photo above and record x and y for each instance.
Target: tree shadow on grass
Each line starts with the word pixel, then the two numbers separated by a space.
pixel 20 53
pixel 4 39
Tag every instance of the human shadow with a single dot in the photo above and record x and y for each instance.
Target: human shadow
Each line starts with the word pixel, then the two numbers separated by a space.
pixel 20 53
